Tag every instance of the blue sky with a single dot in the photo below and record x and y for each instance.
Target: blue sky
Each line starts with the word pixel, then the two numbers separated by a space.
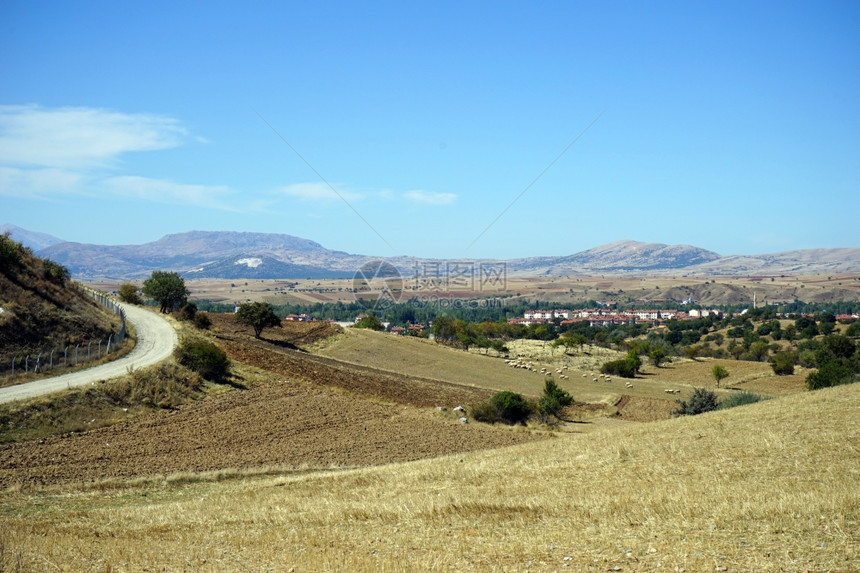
pixel 730 126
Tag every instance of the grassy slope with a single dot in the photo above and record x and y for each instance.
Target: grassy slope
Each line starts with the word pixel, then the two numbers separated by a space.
pixel 43 311
pixel 422 357
pixel 766 487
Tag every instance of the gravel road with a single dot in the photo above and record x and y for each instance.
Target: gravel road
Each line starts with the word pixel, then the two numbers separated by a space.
pixel 156 339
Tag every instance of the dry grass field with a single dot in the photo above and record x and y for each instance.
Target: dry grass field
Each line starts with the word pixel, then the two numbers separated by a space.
pixel 332 456
pixel 645 400
pixel 621 288
pixel 767 487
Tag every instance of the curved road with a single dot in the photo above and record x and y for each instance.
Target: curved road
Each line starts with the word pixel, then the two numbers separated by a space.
pixel 156 339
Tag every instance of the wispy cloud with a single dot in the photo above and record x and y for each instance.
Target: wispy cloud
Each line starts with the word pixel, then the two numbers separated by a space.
pixel 161 191
pixel 323 193
pixel 430 197
pixel 46 152
pixel 319 192
pixel 38 183
pixel 78 137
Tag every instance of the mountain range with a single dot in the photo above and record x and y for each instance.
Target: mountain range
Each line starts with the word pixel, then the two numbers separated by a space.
pixel 231 255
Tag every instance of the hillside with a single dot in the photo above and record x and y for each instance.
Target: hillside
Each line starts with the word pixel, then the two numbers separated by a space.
pixel 618 256
pixel 220 254
pixel 40 309
pixel 765 487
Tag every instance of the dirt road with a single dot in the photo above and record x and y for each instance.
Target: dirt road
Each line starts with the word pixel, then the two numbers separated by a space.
pixel 156 339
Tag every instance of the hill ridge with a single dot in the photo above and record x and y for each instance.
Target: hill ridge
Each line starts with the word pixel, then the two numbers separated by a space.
pixel 214 254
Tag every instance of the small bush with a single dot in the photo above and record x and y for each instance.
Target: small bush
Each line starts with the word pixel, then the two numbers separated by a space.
pixel 624 368
pixel 205 358
pixel 188 311
pixel 700 402
pixel 11 252
pixel 783 363
pixel 55 272
pixel 202 321
pixel 505 407
pixel 128 292
pixel 832 373
pixel 485 412
pixel 739 399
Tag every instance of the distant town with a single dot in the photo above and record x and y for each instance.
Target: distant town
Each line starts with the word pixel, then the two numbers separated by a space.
pixel 609 316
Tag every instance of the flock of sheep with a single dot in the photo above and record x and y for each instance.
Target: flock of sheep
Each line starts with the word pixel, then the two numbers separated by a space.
pixel 530 366
pixel 560 371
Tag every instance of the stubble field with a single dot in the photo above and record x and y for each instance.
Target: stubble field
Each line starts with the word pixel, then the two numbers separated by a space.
pixel 565 289
pixel 334 458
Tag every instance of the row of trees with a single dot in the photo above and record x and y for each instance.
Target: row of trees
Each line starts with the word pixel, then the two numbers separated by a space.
pixel 835 356
pixel 169 291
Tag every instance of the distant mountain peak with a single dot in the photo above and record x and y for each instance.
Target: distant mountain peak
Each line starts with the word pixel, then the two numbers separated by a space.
pixel 36 241
pixel 233 254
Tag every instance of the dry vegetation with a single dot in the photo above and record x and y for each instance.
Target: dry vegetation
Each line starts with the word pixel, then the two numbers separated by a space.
pixel 632 289
pixel 646 400
pixel 331 456
pixel 40 311
pixel 767 487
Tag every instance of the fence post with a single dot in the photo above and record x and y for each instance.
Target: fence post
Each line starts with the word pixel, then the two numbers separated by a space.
pixel 51 367
pixel 27 364
pixel 107 350
pixel 76 354
pixel 38 358
pixel 89 346
pixel 66 356
pixel 13 366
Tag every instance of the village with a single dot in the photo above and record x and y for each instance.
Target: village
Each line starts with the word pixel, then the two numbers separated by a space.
pixel 610 316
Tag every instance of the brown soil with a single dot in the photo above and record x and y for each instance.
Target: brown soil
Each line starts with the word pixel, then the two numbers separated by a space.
pixel 279 352
pixel 300 410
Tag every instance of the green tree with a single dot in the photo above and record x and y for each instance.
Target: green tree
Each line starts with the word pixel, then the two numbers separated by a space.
pixel 257 315
pixel 758 350
pixel 167 288
pixel 499 346
pixel 370 322
pixel 128 293
pixel 783 363
pixel 657 354
pixel 719 373
pixel 692 351
pixel 443 330
pixel 831 373
pixel 554 399
pixel 626 368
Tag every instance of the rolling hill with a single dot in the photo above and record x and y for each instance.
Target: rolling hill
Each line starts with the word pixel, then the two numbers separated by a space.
pixel 219 254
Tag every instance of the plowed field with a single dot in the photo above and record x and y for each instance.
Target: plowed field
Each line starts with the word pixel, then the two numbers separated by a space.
pixel 300 410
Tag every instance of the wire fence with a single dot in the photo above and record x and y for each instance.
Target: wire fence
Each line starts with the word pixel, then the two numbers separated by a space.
pixel 54 357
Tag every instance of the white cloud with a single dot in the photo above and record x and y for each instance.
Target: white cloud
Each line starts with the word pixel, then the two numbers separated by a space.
pixel 430 197
pixel 45 152
pixel 38 183
pixel 161 191
pixel 79 137
pixel 319 192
